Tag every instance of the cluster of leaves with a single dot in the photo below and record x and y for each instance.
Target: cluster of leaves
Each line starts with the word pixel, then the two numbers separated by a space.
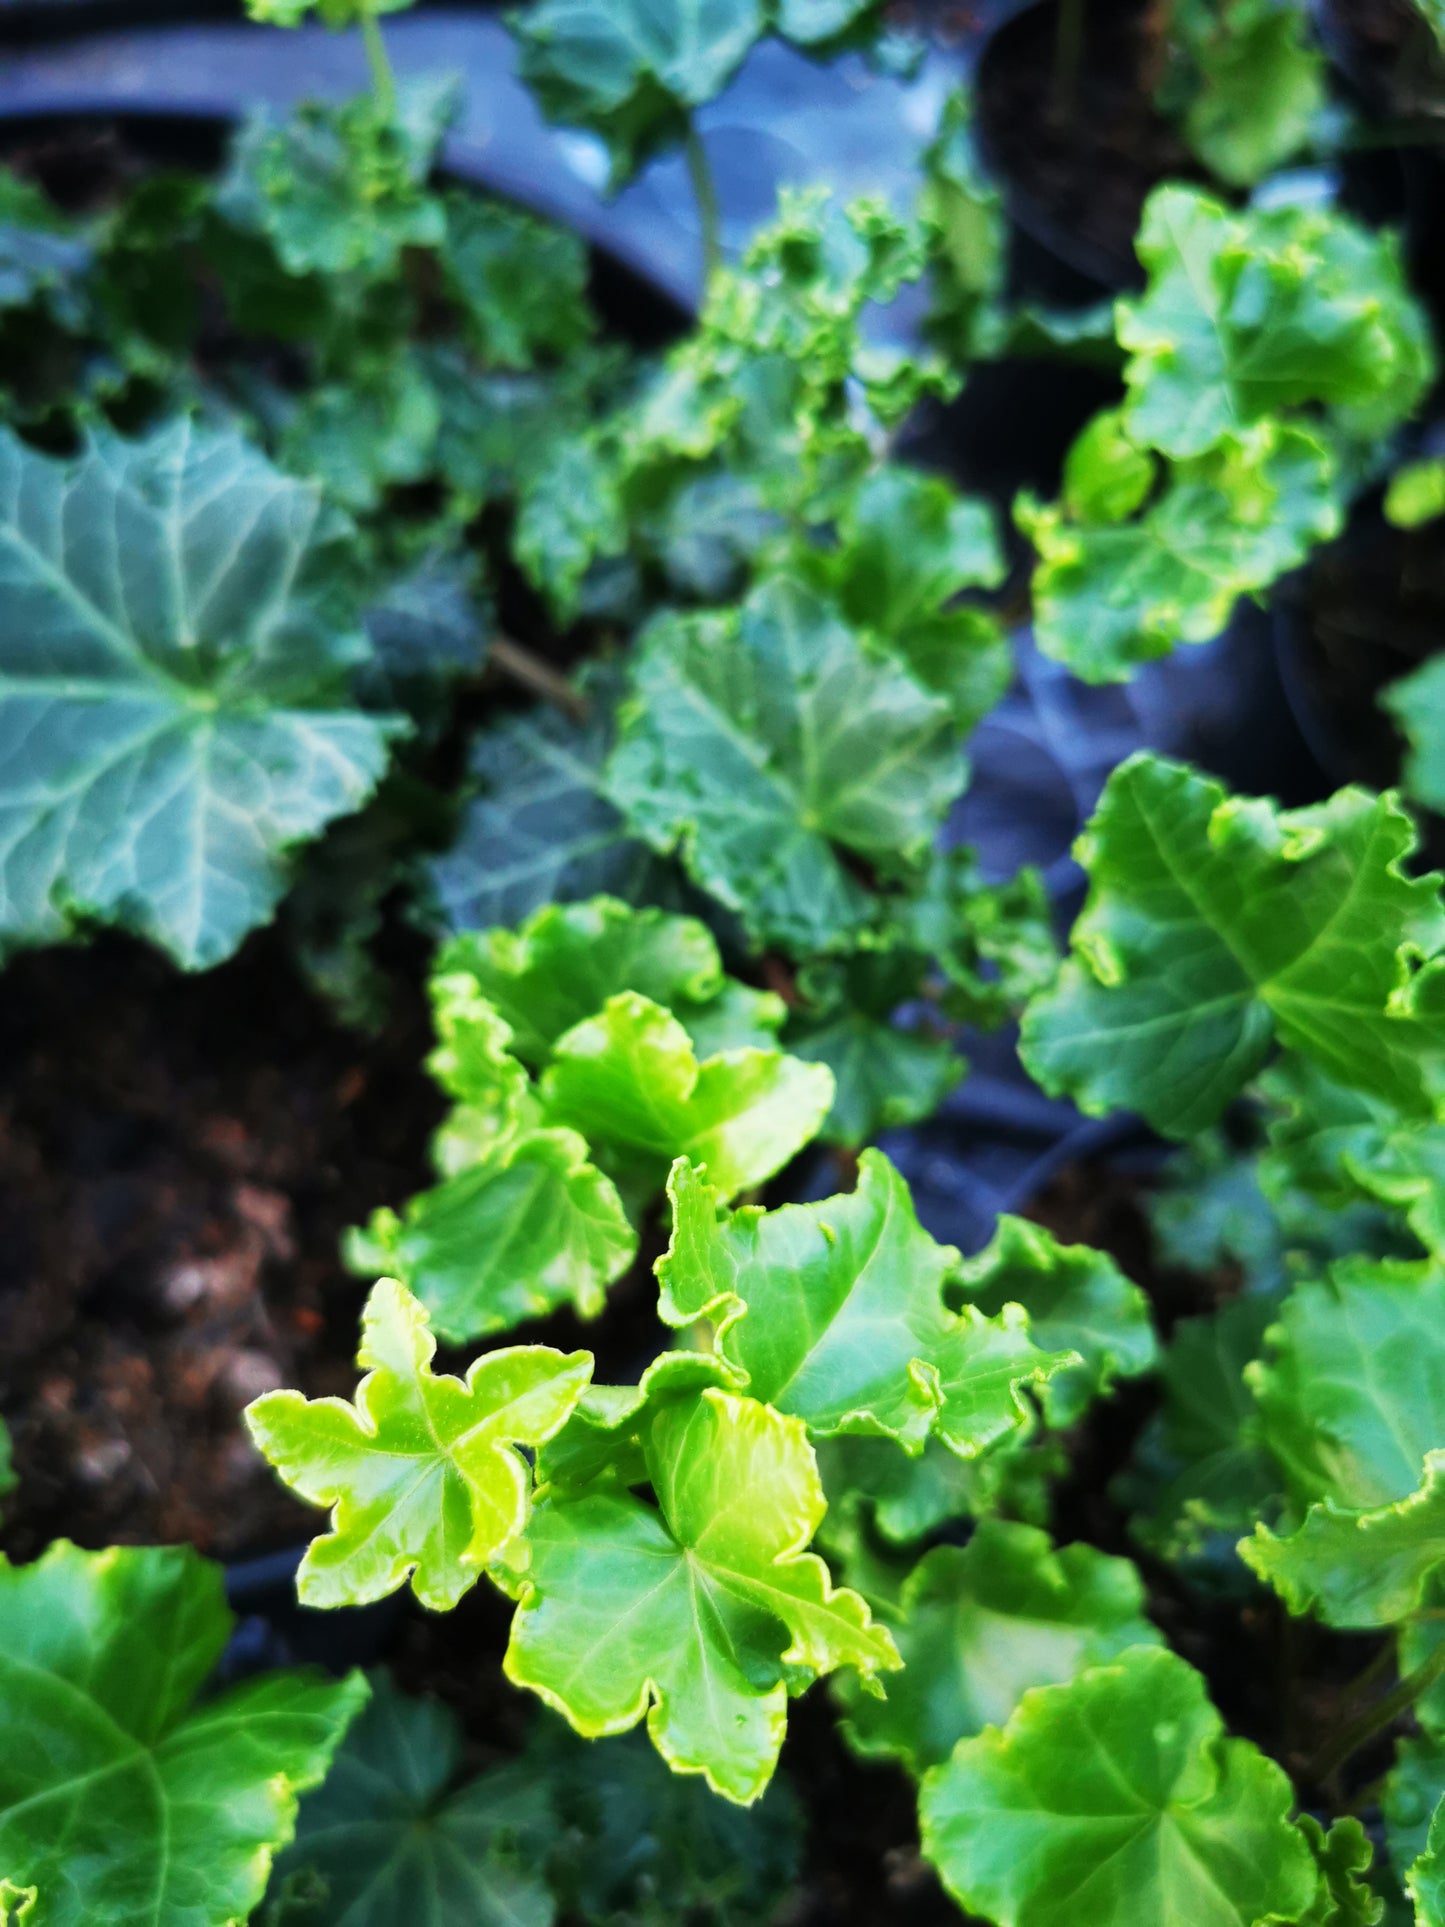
pixel 1268 356
pixel 279 444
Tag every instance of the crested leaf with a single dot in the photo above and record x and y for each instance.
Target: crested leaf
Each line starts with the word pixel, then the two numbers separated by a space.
pixel 564 962
pixel 1114 590
pixel 1358 1567
pixel 1216 925
pixel 529 1226
pixel 396 1834
pixel 176 708
pixel 520 283
pixel 767 746
pixel 835 1312
pixel 1252 87
pixel 1119 1784
pixel 1410 1797
pixel 123 1799
pixel 1350 1394
pixel 43 258
pixel 1077 1299
pixel 1425 1876
pixel 1342 1898
pixel 977 1625
pixel 421 1471
pixel 340 188
pixel 701 1611
pixel 629 1080
pixel 1250 314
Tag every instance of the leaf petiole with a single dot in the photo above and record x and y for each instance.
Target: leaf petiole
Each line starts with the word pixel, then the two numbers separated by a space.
pixel 704 189
pixel 1378 1718
pixel 383 75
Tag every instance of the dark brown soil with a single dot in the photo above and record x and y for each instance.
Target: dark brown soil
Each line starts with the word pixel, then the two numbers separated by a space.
pixel 1077 171
pixel 178 1158
pixel 1387 50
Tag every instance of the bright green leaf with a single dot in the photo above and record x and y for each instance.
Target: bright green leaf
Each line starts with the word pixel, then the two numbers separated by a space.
pixel 531 1226
pixel 122 1800
pixel 835 1312
pixel 422 1470
pixel 1118 1791
pixel 1416 493
pixel 700 1611
pixel 1254 87
pixel 977 1626
pixel 1417 703
pixel 1077 1300
pixel 1216 925
pixel 629 1079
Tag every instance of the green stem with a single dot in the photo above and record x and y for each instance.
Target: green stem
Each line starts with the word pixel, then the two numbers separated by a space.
pixel 704 190
pixel 383 77
pixel 1379 1717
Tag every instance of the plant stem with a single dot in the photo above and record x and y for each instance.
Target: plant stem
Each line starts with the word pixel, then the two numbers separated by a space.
pixel 1381 1715
pixel 383 77
pixel 1068 58
pixel 522 666
pixel 704 189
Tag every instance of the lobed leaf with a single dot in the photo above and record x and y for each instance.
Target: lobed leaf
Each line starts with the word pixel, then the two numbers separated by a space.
pixel 1216 925
pixel 393 1836
pixel 1077 1300
pixel 178 630
pixel 977 1626
pixel 122 1799
pixel 422 1471
pixel 835 1313
pixel 765 747
pixel 702 1611
pixel 1117 1789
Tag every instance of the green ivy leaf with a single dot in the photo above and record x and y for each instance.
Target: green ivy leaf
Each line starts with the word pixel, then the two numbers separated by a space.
pixel 1350 1395
pixel 421 1470
pixel 340 189
pixel 883 1075
pixel 1077 1300
pixel 629 1079
pixel 644 1847
pixel 1354 1567
pixel 531 1226
pixel 1119 1785
pixel 834 1312
pixel 374 431
pixel 564 963
pixel 1342 1899
pixel 977 1626
pixel 1217 924
pixel 1247 315
pixel 1349 1405
pixel 521 283
pixel 630 72
pixel 762 747
pixel 121 1799
pixel 907 546
pixel 1255 86
pixel 1109 595
pixel 175 710
pixel 540 829
pixel 700 1611
pixel 1417 703
pixel 393 1836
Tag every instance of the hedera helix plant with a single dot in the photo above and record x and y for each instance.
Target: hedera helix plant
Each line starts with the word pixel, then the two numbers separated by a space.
pixel 844 1459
